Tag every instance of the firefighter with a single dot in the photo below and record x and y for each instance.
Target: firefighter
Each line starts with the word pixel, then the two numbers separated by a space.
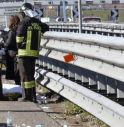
pixel 28 38
pixel 12 72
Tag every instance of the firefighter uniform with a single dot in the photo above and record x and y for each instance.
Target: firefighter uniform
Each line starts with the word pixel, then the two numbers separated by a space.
pixel 28 38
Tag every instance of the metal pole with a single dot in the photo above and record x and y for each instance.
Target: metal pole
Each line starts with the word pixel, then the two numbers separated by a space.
pixel 80 16
pixel 25 1
pixel 6 24
pixel 58 11
pixel 64 11
pixel 72 8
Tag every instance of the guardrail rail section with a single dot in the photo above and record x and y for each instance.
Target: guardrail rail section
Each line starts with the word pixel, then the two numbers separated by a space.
pixel 106 29
pixel 94 80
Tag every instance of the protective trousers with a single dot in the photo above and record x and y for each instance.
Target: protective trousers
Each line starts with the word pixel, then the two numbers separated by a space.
pixel 27 70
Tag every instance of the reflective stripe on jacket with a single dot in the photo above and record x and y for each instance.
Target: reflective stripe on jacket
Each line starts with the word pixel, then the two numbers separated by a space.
pixel 28 37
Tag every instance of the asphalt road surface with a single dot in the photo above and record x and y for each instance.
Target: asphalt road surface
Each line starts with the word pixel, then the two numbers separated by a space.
pixel 25 114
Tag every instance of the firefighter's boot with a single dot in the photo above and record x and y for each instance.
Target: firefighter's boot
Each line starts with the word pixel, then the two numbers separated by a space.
pixel 31 94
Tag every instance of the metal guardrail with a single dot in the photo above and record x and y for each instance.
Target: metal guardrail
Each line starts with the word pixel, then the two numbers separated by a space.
pixel 98 105
pixel 94 80
pixel 91 28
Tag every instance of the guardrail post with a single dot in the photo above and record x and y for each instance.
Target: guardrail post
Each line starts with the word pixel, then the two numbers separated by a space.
pixel 44 64
pixel 71 75
pixel 40 63
pixel 120 89
pixel 49 66
pixel 101 83
pixel 59 68
pixel 92 80
pixel 78 78
pixel 84 77
pixel 111 87
pixel 54 68
pixel 65 70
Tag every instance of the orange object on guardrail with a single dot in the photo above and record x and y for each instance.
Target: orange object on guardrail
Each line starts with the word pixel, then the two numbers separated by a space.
pixel 69 57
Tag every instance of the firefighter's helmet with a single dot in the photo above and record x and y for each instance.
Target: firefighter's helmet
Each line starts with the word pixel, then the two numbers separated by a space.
pixel 27 9
pixel 27 6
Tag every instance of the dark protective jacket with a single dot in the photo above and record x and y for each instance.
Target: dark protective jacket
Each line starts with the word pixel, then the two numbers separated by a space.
pixel 28 37
pixel 11 49
pixel 10 43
